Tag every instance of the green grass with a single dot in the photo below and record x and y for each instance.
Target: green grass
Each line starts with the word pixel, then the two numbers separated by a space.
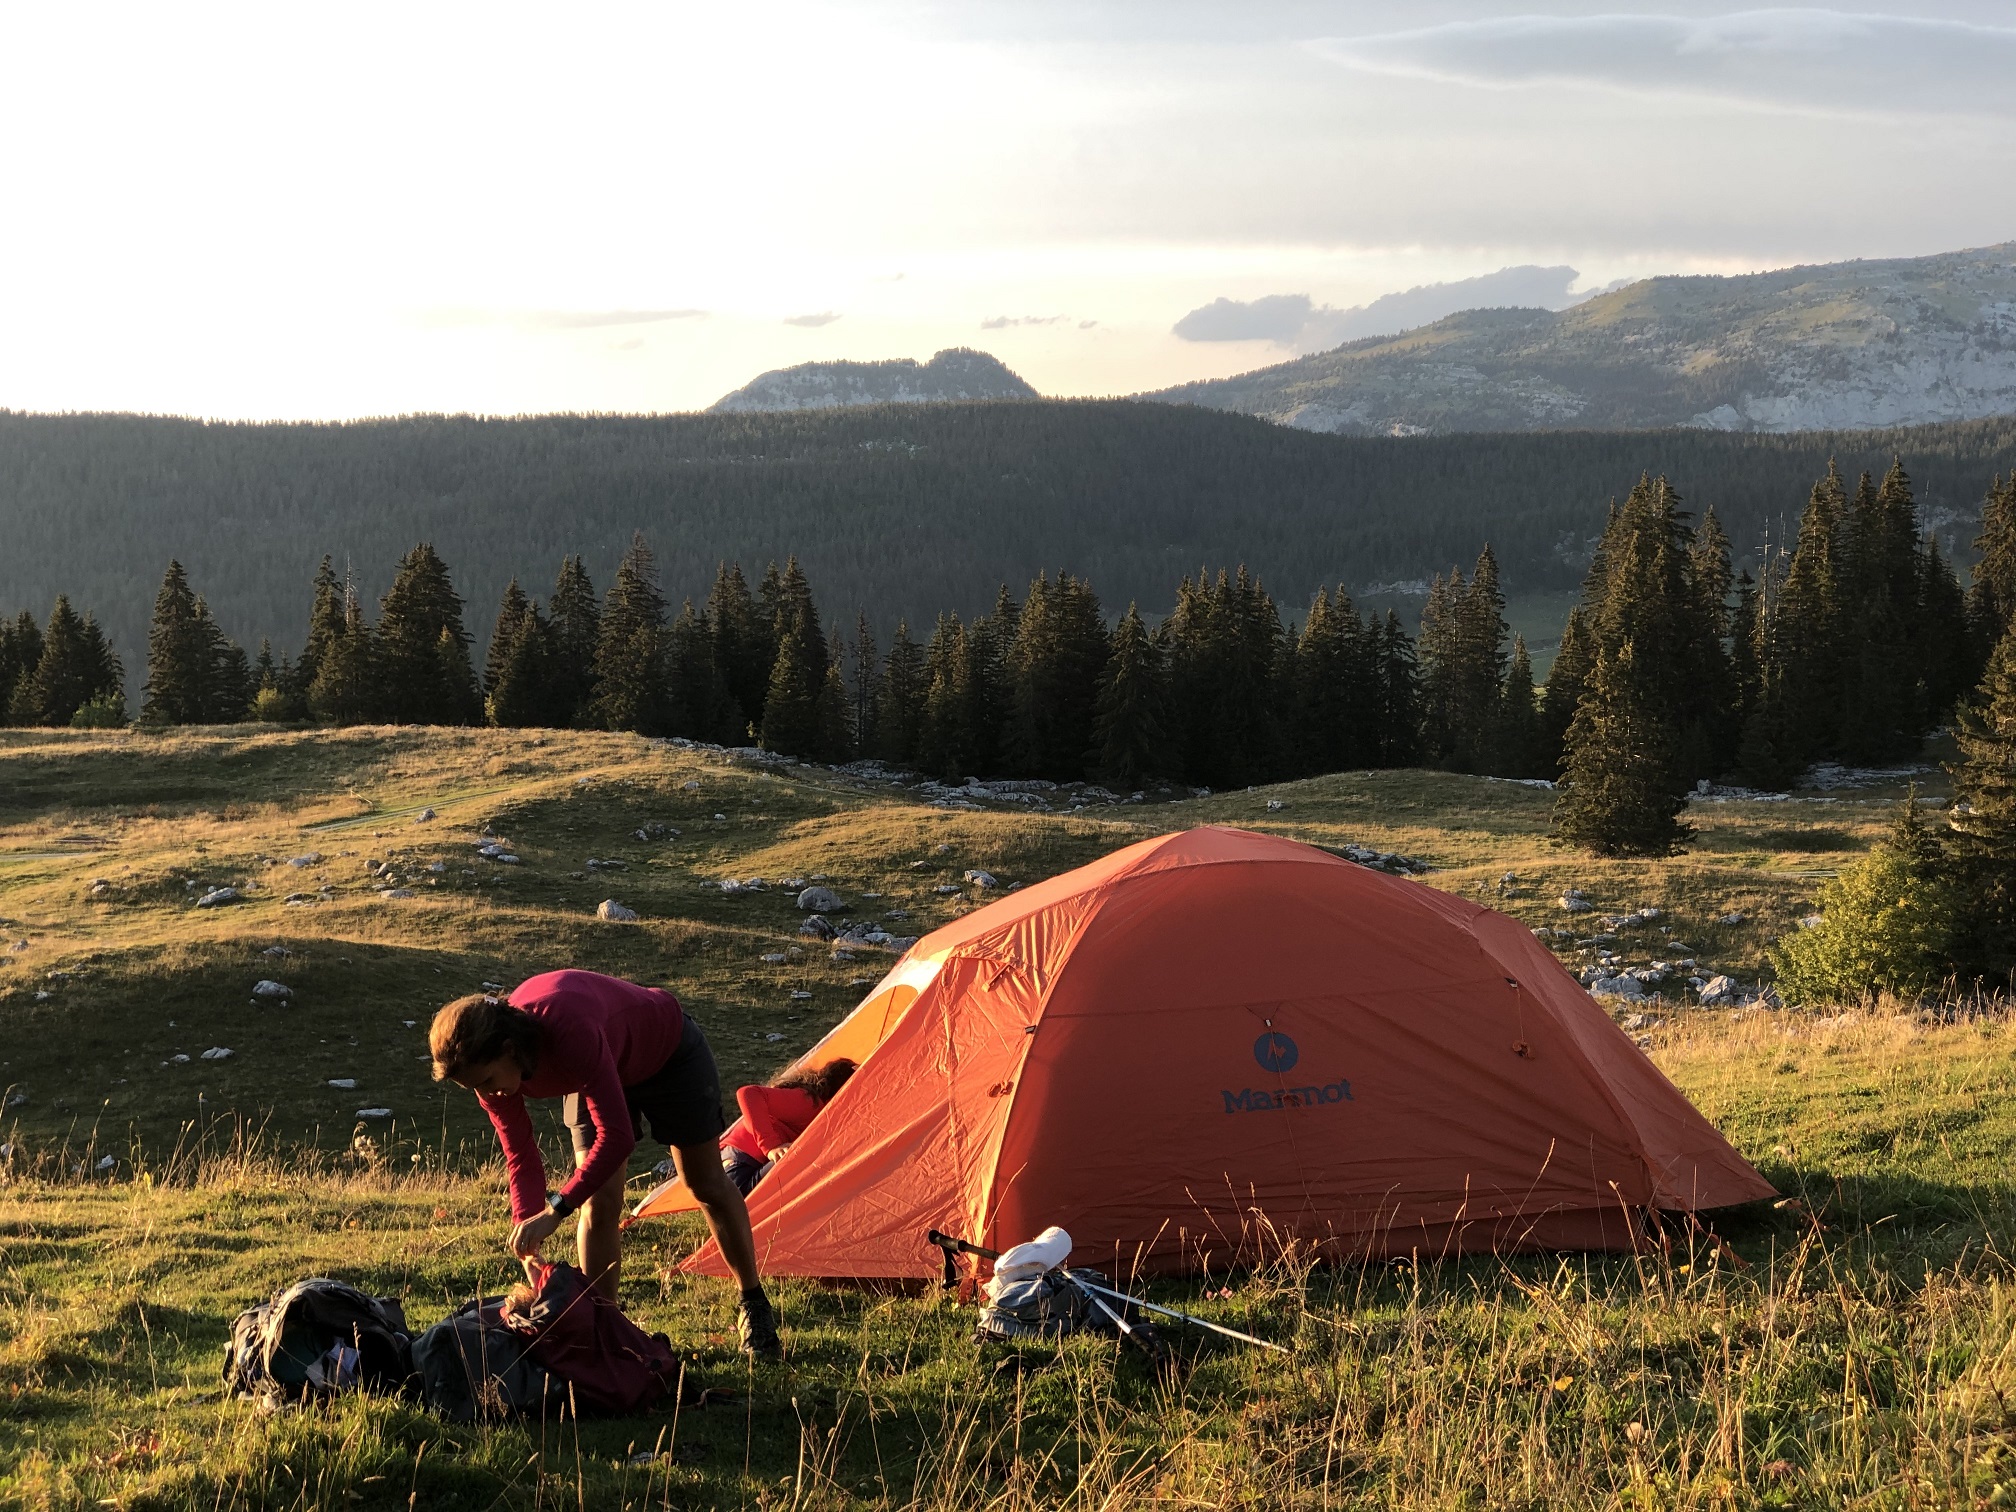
pixel 1852 1351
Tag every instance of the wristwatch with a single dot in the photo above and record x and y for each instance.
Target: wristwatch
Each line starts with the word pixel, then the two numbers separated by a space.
pixel 558 1205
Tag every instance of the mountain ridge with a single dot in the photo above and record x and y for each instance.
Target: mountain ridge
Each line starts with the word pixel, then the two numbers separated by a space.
pixel 1856 345
pixel 954 374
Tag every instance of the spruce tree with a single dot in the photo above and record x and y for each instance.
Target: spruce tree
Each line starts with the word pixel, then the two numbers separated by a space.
pixel 630 674
pixel 76 668
pixel 1718 698
pixel 1622 792
pixel 1399 694
pixel 1334 704
pixel 179 657
pixel 1991 600
pixel 1883 715
pixel 424 672
pixel 899 701
pixel 864 677
pixel 231 683
pixel 791 722
pixel 574 618
pixel 1770 751
pixel 701 706
pixel 991 647
pixel 1129 742
pixel 744 646
pixel 1060 650
pixel 1809 635
pixel 325 627
pixel 1463 667
pixel 1947 642
pixel 1520 751
pixel 836 706
pixel 1567 680
pixel 1984 818
pixel 345 690
pixel 20 653
pixel 519 689
pixel 947 739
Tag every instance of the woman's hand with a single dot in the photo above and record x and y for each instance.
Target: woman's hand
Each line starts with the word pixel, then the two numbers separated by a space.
pixel 529 1233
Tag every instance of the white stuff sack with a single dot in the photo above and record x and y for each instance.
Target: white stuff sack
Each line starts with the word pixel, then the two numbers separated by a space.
pixel 1029 1259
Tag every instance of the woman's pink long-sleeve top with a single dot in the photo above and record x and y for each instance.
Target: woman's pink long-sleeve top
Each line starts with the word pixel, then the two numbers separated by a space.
pixel 601 1034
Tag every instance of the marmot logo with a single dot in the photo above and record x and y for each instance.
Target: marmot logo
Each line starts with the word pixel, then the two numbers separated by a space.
pixel 1260 1100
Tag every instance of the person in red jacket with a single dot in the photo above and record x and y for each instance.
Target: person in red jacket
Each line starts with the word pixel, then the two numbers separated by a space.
pixel 774 1116
pixel 620 1055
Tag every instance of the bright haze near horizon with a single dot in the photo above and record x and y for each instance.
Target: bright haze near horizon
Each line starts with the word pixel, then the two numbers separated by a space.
pixel 323 211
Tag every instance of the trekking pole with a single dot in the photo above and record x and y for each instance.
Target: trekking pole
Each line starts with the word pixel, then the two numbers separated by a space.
pixel 1139 1335
pixel 953 1248
pixel 1170 1312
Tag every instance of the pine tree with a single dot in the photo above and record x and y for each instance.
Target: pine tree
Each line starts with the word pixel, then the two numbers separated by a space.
pixel 1463 667
pixel 1129 742
pixel 1718 697
pixel 1334 700
pixel 1984 818
pixel 1622 791
pixel 179 657
pixel 512 614
pixel 424 672
pixel 275 696
pixel 345 689
pixel 791 722
pixel 76 669
pixel 1946 637
pixel 1567 680
pixel 1883 714
pixel 574 617
pixel 630 680
pixel 231 683
pixel 1770 752
pixel 836 706
pixel 745 645
pixel 1808 633
pixel 899 701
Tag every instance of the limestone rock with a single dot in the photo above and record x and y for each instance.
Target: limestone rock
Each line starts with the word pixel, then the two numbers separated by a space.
pixel 615 913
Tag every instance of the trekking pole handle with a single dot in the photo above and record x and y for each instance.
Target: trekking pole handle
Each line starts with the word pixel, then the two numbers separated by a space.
pixel 953 1246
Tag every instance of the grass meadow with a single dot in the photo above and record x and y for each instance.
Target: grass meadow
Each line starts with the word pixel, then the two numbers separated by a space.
pixel 1854 1346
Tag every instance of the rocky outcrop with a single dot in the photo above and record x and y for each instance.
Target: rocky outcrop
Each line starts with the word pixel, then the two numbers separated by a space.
pixel 956 373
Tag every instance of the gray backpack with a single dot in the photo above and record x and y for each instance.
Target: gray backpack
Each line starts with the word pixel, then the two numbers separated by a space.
pixel 472 1365
pixel 315 1339
pixel 1041 1307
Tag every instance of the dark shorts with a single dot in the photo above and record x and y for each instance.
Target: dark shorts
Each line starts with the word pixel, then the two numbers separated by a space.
pixel 681 1100
pixel 744 1170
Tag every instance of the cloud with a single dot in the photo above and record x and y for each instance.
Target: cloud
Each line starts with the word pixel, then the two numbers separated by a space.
pixel 1295 320
pixel 1276 317
pixel 1003 322
pixel 814 321
pixel 1819 62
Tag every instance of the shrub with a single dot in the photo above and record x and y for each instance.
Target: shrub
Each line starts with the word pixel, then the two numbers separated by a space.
pixel 1887 925
pixel 105 712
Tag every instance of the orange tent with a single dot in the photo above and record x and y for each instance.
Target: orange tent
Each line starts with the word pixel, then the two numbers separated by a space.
pixel 1205 1044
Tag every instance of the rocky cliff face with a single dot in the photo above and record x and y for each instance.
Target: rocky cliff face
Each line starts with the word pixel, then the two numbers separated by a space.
pixel 956 373
pixel 1838 346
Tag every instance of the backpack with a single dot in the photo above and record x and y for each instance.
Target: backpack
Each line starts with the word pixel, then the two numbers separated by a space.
pixel 315 1339
pixel 474 1365
pixel 585 1339
pixel 1045 1306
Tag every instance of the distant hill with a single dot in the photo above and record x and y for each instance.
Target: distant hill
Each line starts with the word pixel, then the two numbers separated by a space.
pixel 896 509
pixel 1839 346
pixel 954 374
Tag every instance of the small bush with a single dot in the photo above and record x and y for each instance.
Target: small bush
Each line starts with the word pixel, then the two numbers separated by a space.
pixel 1887 926
pixel 105 712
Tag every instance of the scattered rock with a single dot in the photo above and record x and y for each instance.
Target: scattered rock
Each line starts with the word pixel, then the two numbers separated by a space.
pixel 615 913
pixel 425 816
pixel 1732 919
pixel 982 879
pixel 1718 991
pixel 1575 903
pixel 1643 1021
pixel 276 952
pixel 271 991
pixel 374 1112
pixel 1618 986
pixel 815 926
pixel 437 868
pixel 774 958
pixel 217 1052
pixel 820 900
pixel 343 1083
pixel 395 892
pixel 1812 921
pixel 217 897
pixel 295 900
pixel 598 865
pixel 108 1163
pixel 799 997
pixel 1275 805
pixel 771 1039
pixel 313 858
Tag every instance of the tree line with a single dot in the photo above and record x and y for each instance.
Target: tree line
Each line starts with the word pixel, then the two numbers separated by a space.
pixel 906 509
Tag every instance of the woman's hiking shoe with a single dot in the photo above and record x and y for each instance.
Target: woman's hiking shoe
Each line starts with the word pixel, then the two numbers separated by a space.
pixel 756 1326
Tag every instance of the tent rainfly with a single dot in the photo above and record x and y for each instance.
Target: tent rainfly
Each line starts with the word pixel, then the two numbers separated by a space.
pixel 1209 1044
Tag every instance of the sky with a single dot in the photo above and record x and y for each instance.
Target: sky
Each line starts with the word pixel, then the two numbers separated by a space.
pixel 328 211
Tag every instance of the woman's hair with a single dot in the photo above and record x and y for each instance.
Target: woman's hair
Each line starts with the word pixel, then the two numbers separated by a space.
pixel 821 1081
pixel 479 1028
